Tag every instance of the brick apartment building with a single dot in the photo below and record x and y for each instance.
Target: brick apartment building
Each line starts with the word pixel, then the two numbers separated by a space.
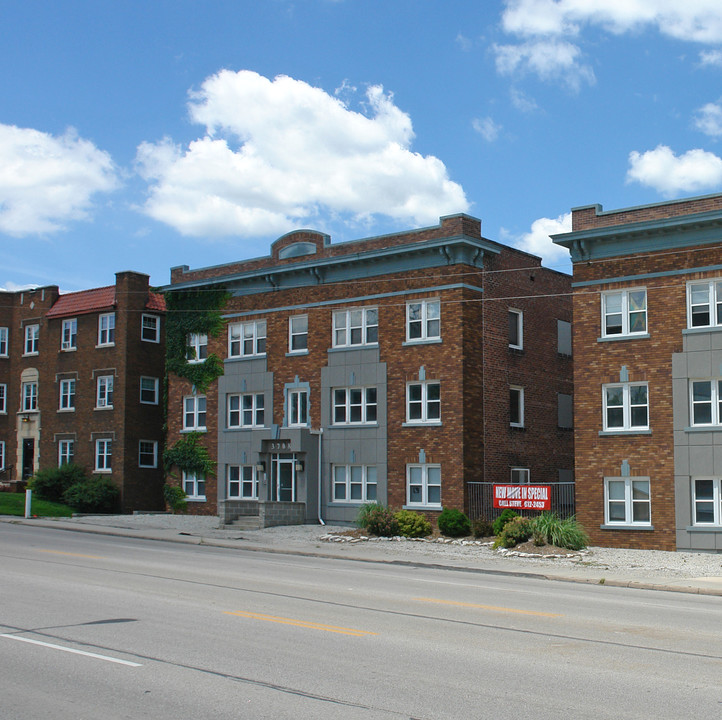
pixel 80 381
pixel 648 373
pixel 414 369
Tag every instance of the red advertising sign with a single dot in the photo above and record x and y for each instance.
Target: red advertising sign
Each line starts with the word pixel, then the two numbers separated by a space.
pixel 523 497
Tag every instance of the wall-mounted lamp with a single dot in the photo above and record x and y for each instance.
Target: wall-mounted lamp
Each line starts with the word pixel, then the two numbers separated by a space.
pixel 25 418
pixel 260 466
pixel 299 465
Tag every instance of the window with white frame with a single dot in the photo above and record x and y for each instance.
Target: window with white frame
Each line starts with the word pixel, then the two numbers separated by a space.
pixel 246 410
pixel 624 312
pixel 354 405
pixel 104 394
pixel 148 453
pixel 3 342
pixel 297 399
pixel 149 390
pixel 358 326
pixel 516 406
pixel 354 483
pixel 30 396
pixel 516 329
pixel 627 501
pixel 423 402
pixel 194 412
pixel 423 484
pixel 705 398
pixel 150 328
pixel 707 501
pixel 242 482
pixel 194 485
pixel 298 334
pixel 423 320
pixel 704 304
pixel 103 455
pixel 3 398
pixel 106 329
pixel 197 348
pixel 67 394
pixel 626 407
pixel 520 476
pixel 247 339
pixel 66 452
pixel 69 334
pixel 2 454
pixel 32 336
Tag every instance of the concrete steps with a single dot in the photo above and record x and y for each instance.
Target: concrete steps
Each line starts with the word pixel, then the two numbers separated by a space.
pixel 245 522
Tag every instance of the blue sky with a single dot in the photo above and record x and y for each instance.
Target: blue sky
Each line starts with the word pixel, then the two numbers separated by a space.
pixel 145 135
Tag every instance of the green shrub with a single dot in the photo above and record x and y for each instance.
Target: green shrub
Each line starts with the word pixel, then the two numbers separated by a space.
pixel 93 495
pixel 481 527
pixel 517 530
pixel 51 483
pixel 175 498
pixel 363 513
pixel 503 519
pixel 412 524
pixel 567 533
pixel 453 523
pixel 378 520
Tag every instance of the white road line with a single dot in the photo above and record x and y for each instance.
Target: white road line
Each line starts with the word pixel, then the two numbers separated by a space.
pixel 71 650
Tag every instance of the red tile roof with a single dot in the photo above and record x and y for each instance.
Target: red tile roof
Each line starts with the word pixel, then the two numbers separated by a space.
pixel 156 301
pixel 96 300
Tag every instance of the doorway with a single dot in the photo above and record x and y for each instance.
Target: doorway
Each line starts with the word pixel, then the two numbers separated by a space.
pixel 283 477
pixel 28 458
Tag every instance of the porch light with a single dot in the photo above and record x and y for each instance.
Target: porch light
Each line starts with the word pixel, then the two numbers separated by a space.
pixel 299 465
pixel 260 466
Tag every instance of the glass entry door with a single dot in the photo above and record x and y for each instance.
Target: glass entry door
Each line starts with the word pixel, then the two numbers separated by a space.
pixel 283 477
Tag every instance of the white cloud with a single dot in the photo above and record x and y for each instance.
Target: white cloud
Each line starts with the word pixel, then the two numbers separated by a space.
pixel 277 153
pixel 709 119
pixel 522 102
pixel 14 287
pixel 669 174
pixel 538 242
pixel 464 43
pixel 710 58
pixel 487 128
pixel 48 181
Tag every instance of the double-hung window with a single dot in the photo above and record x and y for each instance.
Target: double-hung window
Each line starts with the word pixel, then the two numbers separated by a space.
pixel 149 390
pixel 104 395
pixel 3 342
pixel 194 485
pixel 516 329
pixel 520 476
pixel 148 453
pixel 69 334
pixel 706 402
pixel 103 455
pixel 106 329
pixel 297 407
pixel 624 312
pixel 516 406
pixel 32 336
pixel 2 454
pixel 194 412
pixel 242 482
pixel 354 483
pixel 354 406
pixel 30 396
pixel 704 304
pixel 707 501
pixel 3 398
pixel 627 501
pixel 247 339
pixel 423 402
pixel 67 394
pixel 298 334
pixel 150 328
pixel 358 326
pixel 66 452
pixel 423 485
pixel 246 411
pixel 423 320
pixel 626 407
pixel 197 348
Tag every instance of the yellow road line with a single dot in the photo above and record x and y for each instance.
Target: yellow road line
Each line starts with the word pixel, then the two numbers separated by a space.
pixel 301 623
pixel 489 607
pixel 58 552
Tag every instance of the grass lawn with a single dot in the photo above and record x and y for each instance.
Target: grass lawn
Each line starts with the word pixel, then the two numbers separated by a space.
pixel 14 504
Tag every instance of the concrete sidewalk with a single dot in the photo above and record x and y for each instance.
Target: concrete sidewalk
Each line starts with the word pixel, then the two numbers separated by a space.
pixel 677 572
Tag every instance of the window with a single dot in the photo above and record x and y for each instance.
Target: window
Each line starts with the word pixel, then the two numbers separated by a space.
pixel 194 485
pixel 104 396
pixel 150 328
pixel 148 454
pixel 66 452
pixel 624 313
pixel 3 342
pixel 359 326
pixel 516 329
pixel 424 485
pixel 354 483
pixel 423 320
pixel 197 350
pixel 516 406
pixel 706 402
pixel 626 406
pixel 297 407
pixel 30 396
pixel 564 337
pixel 565 411
pixel 3 398
pixel 520 476
pixel 103 455
pixel 32 335
pixel 298 334
pixel 247 339
pixel 106 329
pixel 627 501
pixel 2 454
pixel 704 304
pixel 423 402
pixel 246 410
pixel 69 335
pixel 354 405
pixel 149 390
pixel 242 482
pixel 194 412
pixel 67 395
pixel 707 500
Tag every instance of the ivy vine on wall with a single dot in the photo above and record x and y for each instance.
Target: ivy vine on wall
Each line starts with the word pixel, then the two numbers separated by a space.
pixel 189 455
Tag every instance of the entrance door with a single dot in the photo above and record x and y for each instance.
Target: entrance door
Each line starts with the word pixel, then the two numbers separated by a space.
pixel 283 478
pixel 28 457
